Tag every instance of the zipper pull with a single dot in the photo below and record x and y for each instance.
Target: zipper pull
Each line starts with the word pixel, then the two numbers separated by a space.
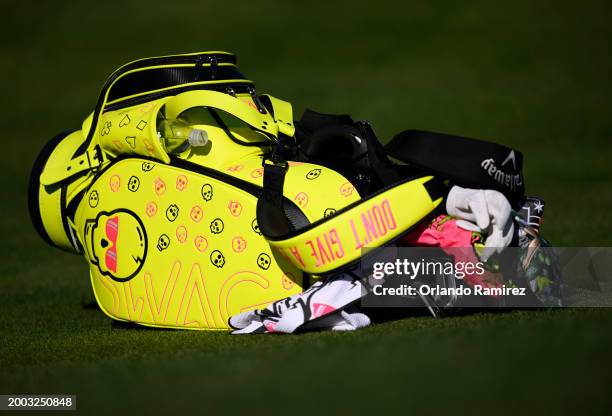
pixel 213 66
pixel 198 68
pixel 255 99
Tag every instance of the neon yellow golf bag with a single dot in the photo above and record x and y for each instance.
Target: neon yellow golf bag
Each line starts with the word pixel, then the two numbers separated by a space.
pixel 187 240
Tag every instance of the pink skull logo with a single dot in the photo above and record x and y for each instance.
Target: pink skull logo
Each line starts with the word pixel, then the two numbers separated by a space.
pixel 151 209
pixel 181 234
pixel 196 213
pixel 239 244
pixel 200 243
pixel 301 199
pixel 115 183
pixel 346 189
pixel 287 281
pixel 257 173
pixel 181 182
pixel 160 186
pixel 235 208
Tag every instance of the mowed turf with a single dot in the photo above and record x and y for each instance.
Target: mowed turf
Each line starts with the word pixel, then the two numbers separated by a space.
pixel 532 75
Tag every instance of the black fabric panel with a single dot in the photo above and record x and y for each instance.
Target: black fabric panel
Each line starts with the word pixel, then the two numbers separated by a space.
pixel 467 162
pixel 436 189
pixel 34 185
pixel 238 88
pixel 311 120
pixel 275 216
pixel 158 78
pixel 267 103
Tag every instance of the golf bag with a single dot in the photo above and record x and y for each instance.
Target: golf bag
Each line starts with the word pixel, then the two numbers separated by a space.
pixel 187 240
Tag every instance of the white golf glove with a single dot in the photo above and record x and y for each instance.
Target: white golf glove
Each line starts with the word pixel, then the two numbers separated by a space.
pixel 485 211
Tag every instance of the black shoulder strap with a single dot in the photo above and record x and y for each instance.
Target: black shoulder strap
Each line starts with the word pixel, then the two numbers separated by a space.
pixel 466 162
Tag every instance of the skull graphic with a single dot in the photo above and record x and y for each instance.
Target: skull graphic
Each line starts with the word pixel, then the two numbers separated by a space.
pixel 115 183
pixel 116 242
pixel 264 261
pixel 216 226
pixel 172 212
pixel 347 189
pixel 235 208
pixel 255 226
pixel 196 213
pixel 301 199
pixel 163 242
pixel 313 174
pixel 200 243
pixel 160 186
pixel 147 166
pixel 217 259
pixel 287 281
pixel 181 234
pixel 329 212
pixel 239 244
pixel 207 192
pixel 257 173
pixel 181 182
pixel 151 209
pixel 133 184
pixel 94 198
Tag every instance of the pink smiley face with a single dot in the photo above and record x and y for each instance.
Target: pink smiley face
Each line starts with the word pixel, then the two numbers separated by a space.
pixel 235 208
pixel 181 234
pixel 151 209
pixel 347 189
pixel 196 213
pixel 301 199
pixel 257 173
pixel 160 186
pixel 181 182
pixel 287 281
pixel 201 244
pixel 114 183
pixel 239 244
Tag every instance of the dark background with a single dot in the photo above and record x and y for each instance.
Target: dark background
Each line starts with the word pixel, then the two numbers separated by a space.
pixel 535 75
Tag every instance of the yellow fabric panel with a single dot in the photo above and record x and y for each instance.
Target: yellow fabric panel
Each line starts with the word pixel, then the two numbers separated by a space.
pixel 378 220
pixel 170 248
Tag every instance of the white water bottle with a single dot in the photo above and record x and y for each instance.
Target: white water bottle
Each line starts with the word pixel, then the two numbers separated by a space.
pixel 177 135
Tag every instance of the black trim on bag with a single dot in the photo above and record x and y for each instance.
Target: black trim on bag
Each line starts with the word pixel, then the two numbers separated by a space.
pixel 159 78
pixel 238 87
pixel 463 160
pixel 34 185
pixel 63 214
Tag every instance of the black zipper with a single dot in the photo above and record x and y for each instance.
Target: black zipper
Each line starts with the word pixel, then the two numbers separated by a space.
pixel 243 86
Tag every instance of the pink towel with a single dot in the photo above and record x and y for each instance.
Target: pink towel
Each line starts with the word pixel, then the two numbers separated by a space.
pixel 444 232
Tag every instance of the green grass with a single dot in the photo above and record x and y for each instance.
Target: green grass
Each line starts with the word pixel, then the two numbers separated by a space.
pixel 532 75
